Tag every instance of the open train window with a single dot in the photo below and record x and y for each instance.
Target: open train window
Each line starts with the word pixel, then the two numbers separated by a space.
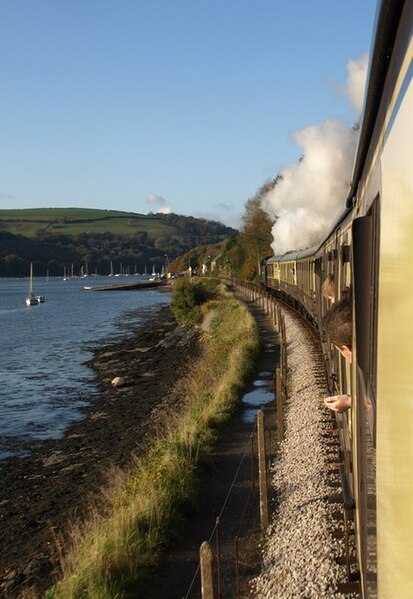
pixel 318 266
pixel 362 247
pixel 365 255
pixel 345 253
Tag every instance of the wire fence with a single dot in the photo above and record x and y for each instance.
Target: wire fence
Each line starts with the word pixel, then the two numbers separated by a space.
pixel 230 557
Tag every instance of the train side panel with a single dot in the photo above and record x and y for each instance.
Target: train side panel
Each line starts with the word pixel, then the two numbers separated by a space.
pixel 395 345
pixel 382 372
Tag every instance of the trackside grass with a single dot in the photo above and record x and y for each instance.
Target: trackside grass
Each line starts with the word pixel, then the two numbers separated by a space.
pixel 116 551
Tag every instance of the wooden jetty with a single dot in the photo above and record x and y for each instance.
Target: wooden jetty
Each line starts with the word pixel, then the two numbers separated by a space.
pixel 128 286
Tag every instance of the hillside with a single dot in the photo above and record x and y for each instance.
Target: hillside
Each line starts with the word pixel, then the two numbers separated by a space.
pixel 208 259
pixel 93 240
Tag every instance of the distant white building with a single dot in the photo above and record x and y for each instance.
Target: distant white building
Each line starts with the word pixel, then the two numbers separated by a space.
pixel 214 262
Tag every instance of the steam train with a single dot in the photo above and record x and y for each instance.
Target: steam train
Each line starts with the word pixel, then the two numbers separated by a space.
pixel 370 249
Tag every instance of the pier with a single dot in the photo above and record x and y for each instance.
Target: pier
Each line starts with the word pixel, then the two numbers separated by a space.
pixel 128 286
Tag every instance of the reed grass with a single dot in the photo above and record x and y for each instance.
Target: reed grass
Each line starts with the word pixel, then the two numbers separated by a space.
pixel 115 552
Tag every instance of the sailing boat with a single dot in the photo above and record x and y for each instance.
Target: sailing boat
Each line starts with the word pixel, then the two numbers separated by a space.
pixel 32 299
pixel 154 274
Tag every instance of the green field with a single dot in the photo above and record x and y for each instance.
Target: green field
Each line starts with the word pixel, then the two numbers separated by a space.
pixel 73 221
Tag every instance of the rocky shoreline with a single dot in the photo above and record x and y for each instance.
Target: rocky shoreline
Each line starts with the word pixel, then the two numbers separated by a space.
pixel 45 493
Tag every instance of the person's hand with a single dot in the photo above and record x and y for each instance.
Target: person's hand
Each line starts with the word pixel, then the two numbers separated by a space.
pixel 338 403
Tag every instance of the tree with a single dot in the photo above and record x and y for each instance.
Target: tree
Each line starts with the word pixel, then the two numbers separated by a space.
pixel 255 237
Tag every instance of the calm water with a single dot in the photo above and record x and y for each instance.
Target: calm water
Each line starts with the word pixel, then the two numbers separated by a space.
pixel 44 381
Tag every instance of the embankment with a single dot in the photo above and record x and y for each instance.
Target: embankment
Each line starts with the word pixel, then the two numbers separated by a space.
pixel 115 552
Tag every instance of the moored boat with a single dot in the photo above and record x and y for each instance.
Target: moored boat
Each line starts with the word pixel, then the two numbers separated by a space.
pixel 32 299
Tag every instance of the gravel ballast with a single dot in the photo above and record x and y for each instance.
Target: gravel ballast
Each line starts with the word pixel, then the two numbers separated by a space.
pixel 300 551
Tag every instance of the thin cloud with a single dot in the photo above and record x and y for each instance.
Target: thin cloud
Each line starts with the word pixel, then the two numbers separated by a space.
pixel 223 208
pixel 160 205
pixel 222 213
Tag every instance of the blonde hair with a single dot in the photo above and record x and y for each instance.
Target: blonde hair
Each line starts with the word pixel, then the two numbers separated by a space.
pixel 328 287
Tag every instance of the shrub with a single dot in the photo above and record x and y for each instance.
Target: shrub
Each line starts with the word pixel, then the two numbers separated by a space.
pixel 187 296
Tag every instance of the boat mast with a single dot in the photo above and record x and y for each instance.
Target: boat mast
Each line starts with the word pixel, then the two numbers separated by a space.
pixel 31 279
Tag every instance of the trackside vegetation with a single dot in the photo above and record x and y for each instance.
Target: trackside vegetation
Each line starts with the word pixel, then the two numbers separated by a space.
pixel 188 296
pixel 115 552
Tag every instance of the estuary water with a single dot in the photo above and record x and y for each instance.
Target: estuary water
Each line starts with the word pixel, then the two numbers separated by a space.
pixel 43 350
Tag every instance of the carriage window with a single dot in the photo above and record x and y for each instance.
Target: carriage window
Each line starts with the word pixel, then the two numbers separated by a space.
pixel 365 248
pixel 362 247
pixel 345 253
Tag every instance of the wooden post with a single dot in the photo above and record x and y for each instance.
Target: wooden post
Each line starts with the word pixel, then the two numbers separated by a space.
pixel 280 406
pixel 283 365
pixel 281 362
pixel 284 337
pixel 206 561
pixel 252 464
pixel 262 468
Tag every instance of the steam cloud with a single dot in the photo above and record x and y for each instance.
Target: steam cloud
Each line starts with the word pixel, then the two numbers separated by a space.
pixel 310 194
pixel 159 204
pixel 356 81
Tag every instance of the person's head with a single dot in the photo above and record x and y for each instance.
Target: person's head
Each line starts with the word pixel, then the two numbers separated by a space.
pixel 338 325
pixel 328 288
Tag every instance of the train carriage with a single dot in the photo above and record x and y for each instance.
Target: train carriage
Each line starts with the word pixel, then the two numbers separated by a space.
pixel 370 248
pixel 382 252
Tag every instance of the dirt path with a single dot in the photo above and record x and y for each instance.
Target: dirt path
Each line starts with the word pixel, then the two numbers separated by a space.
pixel 177 577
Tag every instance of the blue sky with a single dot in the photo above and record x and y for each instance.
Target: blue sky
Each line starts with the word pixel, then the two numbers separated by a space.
pixel 190 103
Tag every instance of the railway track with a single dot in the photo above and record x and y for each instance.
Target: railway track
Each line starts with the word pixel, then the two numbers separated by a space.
pixel 309 550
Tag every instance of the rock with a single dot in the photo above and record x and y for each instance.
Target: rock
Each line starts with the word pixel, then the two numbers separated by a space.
pixel 54 458
pixel 118 381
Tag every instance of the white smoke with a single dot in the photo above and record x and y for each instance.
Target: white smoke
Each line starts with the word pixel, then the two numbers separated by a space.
pixel 356 81
pixel 310 194
pixel 160 205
